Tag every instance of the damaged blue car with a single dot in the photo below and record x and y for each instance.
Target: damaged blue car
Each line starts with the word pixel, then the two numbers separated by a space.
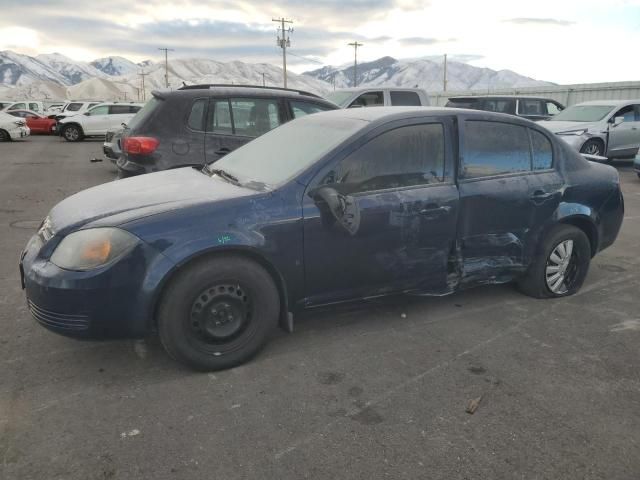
pixel 333 207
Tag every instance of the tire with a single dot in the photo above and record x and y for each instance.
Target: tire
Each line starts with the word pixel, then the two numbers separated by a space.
pixel 593 146
pixel 4 136
pixel 539 281
pixel 72 133
pixel 218 313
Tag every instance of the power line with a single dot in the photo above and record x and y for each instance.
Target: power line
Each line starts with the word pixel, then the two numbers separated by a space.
pixel 284 42
pixel 166 64
pixel 355 46
pixel 142 75
pixel 306 58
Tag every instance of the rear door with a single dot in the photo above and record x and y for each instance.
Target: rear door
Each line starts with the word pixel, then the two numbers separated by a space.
pixel 232 122
pixel 508 190
pixel 398 224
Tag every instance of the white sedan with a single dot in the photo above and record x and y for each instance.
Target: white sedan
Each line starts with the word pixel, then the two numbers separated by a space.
pixel 12 128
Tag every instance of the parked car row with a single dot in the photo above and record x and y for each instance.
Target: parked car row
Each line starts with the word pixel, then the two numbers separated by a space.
pixel 12 128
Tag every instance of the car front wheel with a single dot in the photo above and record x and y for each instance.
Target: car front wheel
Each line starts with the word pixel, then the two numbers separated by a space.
pixel 72 133
pixel 218 313
pixel 4 136
pixel 593 147
pixel 560 266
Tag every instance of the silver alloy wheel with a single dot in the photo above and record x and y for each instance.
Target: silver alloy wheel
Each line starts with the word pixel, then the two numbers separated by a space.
pixel 71 133
pixel 592 149
pixel 557 265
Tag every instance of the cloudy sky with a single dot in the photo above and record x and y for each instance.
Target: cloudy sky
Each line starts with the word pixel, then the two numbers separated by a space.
pixel 564 41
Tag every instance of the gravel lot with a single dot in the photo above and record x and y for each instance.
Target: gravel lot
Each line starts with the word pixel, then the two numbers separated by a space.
pixel 375 391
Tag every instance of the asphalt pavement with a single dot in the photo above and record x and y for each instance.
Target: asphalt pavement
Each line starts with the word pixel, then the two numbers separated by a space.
pixel 360 392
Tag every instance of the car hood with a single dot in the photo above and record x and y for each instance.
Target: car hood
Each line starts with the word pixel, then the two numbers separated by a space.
pixel 560 126
pixel 122 201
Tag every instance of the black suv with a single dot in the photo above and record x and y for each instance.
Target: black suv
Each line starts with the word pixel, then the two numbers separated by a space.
pixel 532 108
pixel 198 124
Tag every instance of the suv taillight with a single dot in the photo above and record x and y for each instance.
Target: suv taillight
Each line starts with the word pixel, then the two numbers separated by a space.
pixel 140 145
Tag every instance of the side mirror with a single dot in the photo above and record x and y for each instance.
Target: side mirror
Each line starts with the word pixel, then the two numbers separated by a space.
pixel 344 209
pixel 617 121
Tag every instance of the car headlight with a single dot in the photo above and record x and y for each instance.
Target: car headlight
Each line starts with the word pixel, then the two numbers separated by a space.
pixel 92 248
pixel 582 131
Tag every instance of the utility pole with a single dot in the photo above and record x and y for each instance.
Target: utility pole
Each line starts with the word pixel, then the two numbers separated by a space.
pixel 166 64
pixel 444 78
pixel 284 42
pixel 355 46
pixel 142 74
pixel 263 84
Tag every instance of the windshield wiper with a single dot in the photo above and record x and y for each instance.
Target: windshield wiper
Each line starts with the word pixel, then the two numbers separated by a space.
pixel 226 175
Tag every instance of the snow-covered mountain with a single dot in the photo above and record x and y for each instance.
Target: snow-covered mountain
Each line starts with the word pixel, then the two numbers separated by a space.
pixel 54 76
pixel 425 73
pixel 117 66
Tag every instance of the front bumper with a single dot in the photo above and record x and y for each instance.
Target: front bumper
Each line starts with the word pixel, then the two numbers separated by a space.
pixel 105 302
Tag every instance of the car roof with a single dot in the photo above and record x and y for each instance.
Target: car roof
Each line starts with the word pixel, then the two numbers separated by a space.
pixel 379 115
pixel 514 97
pixel 191 91
pixel 378 87
pixel 609 102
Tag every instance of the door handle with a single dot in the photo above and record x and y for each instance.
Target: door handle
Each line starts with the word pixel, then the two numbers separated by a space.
pixel 540 195
pixel 435 210
pixel 222 151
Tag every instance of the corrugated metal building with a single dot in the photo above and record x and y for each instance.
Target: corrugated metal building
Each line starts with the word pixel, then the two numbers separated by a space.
pixel 565 94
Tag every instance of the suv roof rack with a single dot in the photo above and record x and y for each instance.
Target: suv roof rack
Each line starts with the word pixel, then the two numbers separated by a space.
pixel 231 85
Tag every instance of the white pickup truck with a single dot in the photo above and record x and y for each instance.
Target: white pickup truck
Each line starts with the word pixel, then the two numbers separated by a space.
pixel 379 97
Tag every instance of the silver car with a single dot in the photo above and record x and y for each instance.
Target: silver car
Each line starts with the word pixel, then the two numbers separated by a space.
pixel 605 128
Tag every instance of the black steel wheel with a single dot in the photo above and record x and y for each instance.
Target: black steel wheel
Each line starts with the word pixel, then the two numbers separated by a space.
pixel 218 312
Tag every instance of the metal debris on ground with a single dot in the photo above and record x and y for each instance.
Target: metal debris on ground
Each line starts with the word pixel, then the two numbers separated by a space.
pixel 473 405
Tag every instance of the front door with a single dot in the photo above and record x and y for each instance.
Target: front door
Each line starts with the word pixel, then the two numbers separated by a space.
pixel 508 187
pixel 624 138
pixel 381 217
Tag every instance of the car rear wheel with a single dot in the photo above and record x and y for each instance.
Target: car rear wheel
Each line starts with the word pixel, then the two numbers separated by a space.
pixel 218 312
pixel 72 133
pixel 593 147
pixel 4 136
pixel 560 266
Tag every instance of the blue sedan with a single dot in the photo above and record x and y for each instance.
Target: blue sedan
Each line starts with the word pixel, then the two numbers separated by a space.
pixel 333 207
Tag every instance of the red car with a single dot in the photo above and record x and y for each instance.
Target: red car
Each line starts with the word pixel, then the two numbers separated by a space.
pixel 36 123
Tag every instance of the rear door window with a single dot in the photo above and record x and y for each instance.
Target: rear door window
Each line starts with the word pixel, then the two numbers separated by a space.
pixel 494 148
pixel 253 117
pixel 462 103
pixel 101 110
pixel 369 99
pixel 219 117
pixel 300 109
pixel 542 151
pixel 118 109
pixel 500 105
pixel 530 107
pixel 196 116
pixel 402 98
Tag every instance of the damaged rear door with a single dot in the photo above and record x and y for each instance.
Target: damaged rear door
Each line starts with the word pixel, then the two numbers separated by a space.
pixel 508 191
pixel 382 216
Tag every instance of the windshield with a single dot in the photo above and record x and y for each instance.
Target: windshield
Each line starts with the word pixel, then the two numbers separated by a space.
pixel 582 113
pixel 143 113
pixel 284 152
pixel 339 98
